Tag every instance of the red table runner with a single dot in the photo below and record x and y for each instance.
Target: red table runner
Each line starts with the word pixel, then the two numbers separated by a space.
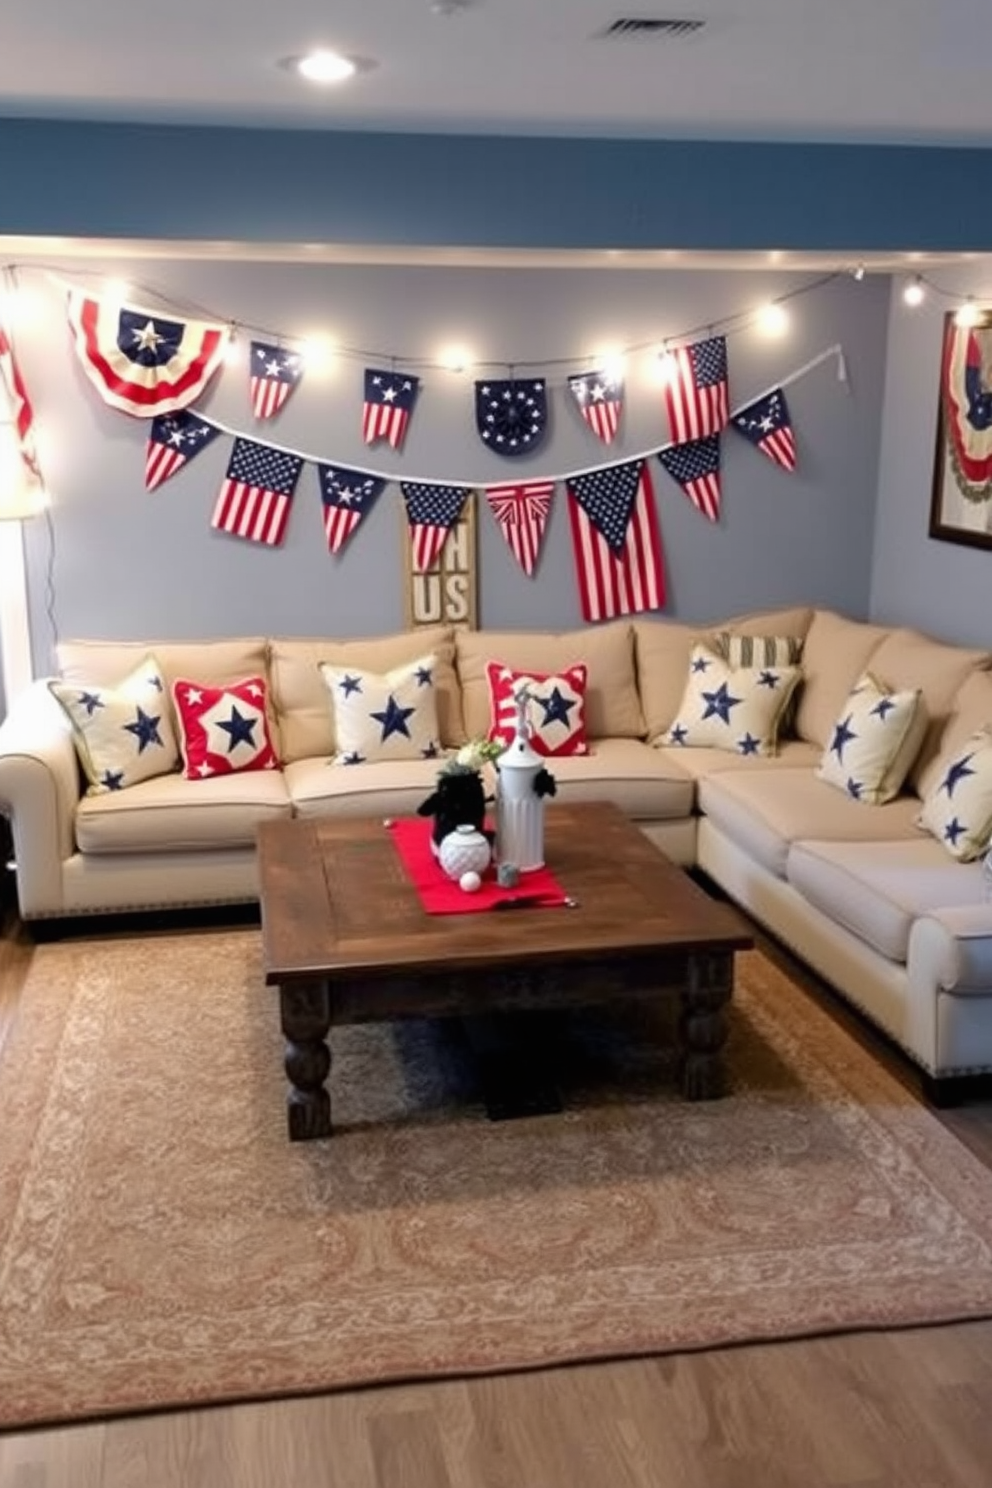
pixel 440 894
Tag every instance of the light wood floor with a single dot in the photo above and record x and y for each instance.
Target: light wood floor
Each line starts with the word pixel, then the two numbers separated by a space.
pixel 885 1410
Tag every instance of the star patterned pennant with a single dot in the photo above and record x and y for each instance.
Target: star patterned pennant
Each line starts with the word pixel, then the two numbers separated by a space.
pixel 432 511
pixel 696 394
pixel 696 468
pixel 512 415
pixel 257 493
pixel 174 440
pixel 388 406
pixel 273 375
pixel 599 398
pixel 347 496
pixel 616 541
pixel 767 425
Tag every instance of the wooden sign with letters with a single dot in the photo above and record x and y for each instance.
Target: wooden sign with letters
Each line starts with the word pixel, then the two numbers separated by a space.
pixel 448 593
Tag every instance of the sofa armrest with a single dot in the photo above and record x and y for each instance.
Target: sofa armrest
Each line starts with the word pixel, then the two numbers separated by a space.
pixel 951 949
pixel 39 791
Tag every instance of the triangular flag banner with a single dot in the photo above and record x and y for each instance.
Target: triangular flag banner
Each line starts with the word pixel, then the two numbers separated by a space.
pixel 388 406
pixel 431 512
pixel 273 375
pixel 696 467
pixel 511 415
pixel 621 573
pixel 20 405
pixel 174 440
pixel 140 361
pixel 522 514
pixel 347 496
pixel 257 493
pixel 766 423
pixel 599 398
pixel 696 393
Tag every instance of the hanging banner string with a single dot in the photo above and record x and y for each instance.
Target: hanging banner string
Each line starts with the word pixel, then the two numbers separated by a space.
pixel 831 351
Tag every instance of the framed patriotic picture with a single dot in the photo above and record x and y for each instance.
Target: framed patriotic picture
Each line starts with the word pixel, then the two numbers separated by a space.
pixel 961 501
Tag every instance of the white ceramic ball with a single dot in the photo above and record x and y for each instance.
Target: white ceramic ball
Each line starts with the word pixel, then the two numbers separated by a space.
pixel 470 882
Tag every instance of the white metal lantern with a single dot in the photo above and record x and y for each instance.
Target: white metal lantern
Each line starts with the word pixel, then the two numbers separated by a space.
pixel 519 809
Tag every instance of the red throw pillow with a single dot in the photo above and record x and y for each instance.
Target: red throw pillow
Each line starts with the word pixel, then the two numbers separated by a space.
pixel 223 730
pixel 556 712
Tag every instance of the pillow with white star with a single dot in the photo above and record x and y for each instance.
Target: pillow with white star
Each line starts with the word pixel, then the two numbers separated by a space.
pixel 383 716
pixel 737 708
pixel 122 734
pixel 224 729
pixel 556 711
pixel 875 739
pixel 957 809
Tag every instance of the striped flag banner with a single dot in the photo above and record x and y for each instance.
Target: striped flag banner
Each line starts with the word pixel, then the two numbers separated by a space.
pixel 521 510
pixel 174 440
pixel 346 496
pixel 696 467
pixel 697 396
pixel 257 493
pixel 616 540
pixel 273 375
pixel 767 424
pixel 20 405
pixel 431 512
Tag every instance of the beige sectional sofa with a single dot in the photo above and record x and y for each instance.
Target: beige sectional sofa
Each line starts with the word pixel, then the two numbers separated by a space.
pixel 870 901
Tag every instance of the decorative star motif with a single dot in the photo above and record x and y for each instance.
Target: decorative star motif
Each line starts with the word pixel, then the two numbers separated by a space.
pixel 719 703
pixel 430 750
pixel 424 676
pixel 699 664
pixel 854 788
pixel 953 831
pixel 145 729
pixel 769 679
pixel 393 719
pixel 843 734
pixel 749 744
pixel 349 685
pixel 556 707
pixel 113 779
pixel 154 681
pixel 678 733
pixel 958 771
pixel 194 695
pixel 883 706
pixel 239 728
pixel 354 758
pixel 90 701
pixel 148 338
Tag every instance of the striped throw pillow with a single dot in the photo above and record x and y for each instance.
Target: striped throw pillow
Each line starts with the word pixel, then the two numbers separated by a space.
pixel 739 650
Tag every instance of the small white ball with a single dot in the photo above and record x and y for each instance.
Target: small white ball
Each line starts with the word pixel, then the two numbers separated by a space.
pixel 470 882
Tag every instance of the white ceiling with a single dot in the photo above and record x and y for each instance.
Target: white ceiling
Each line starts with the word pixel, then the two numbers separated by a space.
pixel 910 71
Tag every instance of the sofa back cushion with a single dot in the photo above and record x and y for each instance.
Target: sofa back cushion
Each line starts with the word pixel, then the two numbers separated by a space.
pixel 834 656
pixel 905 658
pixel 970 711
pixel 299 694
pixel 613 709
pixel 663 649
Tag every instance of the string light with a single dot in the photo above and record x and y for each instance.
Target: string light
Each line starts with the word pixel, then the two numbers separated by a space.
pixel 859 273
pixel 318 353
pixel 666 367
pixel 456 359
pixel 968 314
pixel 914 294
pixel 773 319
pixel 611 362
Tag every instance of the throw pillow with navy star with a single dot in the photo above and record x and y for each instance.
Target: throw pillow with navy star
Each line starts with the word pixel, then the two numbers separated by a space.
pixel 957 808
pixel 383 716
pixel 873 742
pixel 556 711
pixel 123 734
pixel 511 415
pixel 224 729
pixel 736 708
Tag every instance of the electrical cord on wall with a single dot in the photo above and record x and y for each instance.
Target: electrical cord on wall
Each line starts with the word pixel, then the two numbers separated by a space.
pixel 50 581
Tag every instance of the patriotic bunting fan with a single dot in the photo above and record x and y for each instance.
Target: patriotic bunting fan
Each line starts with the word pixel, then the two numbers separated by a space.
pixel 274 374
pixel 599 398
pixel 20 406
pixel 616 541
pixel 696 468
pixel 511 415
pixel 174 440
pixel 522 514
pixel 766 423
pixel 431 511
pixel 347 496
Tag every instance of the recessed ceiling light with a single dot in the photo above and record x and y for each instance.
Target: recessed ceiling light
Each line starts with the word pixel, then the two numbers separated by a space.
pixel 324 66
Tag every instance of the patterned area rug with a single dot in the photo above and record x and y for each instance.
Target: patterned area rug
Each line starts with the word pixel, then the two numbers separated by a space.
pixel 161 1243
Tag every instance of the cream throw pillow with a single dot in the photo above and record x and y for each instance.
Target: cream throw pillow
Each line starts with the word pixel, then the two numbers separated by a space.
pixel 957 809
pixel 874 741
pixel 734 708
pixel 387 716
pixel 122 734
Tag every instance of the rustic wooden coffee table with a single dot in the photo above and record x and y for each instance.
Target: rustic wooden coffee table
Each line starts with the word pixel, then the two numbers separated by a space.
pixel 346 941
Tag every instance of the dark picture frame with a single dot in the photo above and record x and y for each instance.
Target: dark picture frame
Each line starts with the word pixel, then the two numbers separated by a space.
pixel 957 513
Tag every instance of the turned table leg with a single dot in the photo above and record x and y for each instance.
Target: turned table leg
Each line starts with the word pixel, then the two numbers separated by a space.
pixel 703 1023
pixel 305 1011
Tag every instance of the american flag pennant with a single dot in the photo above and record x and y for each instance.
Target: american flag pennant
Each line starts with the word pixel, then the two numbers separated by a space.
pixel 347 496
pixel 696 394
pixel 521 512
pixel 139 361
pixel 20 405
pixel 389 400
pixel 431 512
pixel 696 468
pixel 174 440
pixel 257 493
pixel 274 374
pixel 599 398
pixel 616 540
pixel 766 423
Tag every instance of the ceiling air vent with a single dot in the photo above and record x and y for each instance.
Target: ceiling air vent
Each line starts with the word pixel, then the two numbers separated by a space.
pixel 633 27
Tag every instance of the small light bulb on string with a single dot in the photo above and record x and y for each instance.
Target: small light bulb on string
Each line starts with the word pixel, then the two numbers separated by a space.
pixel 666 366
pixel 232 351
pixel 117 291
pixel 914 294
pixel 859 273
pixel 773 320
pixel 456 359
pixel 611 363
pixel 967 314
pixel 317 353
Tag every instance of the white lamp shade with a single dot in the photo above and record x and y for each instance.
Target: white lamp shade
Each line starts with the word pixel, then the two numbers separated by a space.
pixel 21 494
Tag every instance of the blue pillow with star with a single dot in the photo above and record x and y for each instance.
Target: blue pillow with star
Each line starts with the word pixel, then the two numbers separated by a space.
pixel 957 808
pixel 123 734
pixel 736 708
pixel 383 716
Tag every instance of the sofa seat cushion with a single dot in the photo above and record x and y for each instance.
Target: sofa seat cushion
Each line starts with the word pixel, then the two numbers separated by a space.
pixel 173 814
pixel 376 788
pixel 647 784
pixel 877 889
pixel 699 762
pixel 766 811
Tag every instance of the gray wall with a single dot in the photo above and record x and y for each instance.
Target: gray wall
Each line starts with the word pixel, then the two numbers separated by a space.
pixel 132 564
pixel 938 587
